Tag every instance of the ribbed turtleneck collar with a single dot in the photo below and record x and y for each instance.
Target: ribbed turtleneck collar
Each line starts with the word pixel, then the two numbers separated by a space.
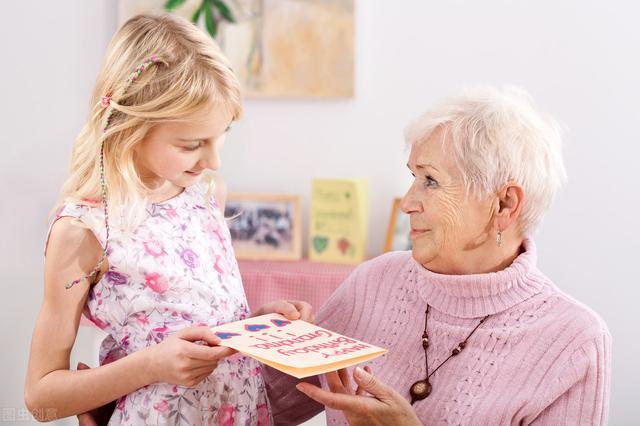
pixel 478 295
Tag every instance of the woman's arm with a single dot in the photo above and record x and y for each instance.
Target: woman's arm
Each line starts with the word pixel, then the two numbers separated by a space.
pixel 50 386
pixel 580 392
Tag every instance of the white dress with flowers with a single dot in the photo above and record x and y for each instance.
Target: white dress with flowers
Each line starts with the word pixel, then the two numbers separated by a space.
pixel 176 270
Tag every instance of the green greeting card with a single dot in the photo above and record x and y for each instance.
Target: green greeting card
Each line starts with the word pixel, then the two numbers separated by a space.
pixel 339 219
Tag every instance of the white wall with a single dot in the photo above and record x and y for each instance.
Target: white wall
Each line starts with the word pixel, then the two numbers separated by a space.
pixel 50 54
pixel 579 59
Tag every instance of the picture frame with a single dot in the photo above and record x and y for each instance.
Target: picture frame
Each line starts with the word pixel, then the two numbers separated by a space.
pixel 398 229
pixel 262 38
pixel 264 226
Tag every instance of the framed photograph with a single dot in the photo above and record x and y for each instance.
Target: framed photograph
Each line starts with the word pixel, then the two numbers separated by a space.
pixel 265 226
pixel 398 229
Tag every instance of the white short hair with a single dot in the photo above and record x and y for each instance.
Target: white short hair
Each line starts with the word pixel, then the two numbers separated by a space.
pixel 496 136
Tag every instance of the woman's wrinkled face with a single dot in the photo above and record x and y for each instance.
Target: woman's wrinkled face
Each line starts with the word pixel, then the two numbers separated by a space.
pixel 447 230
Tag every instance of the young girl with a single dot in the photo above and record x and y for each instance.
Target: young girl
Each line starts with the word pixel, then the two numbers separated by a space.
pixel 136 205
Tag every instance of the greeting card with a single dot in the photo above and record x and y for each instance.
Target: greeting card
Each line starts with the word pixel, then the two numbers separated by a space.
pixel 296 347
pixel 338 226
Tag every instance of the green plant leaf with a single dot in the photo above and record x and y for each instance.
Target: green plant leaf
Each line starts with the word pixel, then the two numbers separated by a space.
pixel 210 21
pixel 225 12
pixel 172 4
pixel 196 14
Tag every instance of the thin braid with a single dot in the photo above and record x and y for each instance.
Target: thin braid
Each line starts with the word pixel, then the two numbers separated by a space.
pixel 106 102
pixel 132 77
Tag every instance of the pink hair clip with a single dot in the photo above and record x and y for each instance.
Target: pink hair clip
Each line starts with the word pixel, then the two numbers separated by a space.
pixel 104 101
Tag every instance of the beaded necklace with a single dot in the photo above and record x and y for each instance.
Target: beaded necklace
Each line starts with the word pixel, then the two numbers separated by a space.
pixel 422 388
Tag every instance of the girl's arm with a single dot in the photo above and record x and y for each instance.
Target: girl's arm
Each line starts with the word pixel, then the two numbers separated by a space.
pixel 51 388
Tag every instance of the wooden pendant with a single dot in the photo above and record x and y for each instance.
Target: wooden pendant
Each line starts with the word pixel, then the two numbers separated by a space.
pixel 420 390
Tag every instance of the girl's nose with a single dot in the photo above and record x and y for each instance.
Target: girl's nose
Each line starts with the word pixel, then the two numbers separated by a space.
pixel 210 158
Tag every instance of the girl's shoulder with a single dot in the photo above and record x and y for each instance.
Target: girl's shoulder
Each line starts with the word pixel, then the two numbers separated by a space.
pixel 87 212
pixel 77 208
pixel 82 214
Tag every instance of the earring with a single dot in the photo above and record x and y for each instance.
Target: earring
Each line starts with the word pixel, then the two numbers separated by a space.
pixel 499 238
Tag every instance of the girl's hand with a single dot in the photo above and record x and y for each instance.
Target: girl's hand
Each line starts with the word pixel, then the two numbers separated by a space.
pixel 371 403
pixel 180 361
pixel 291 309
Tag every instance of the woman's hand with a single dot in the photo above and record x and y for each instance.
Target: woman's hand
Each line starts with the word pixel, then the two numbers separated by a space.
pixel 384 406
pixel 291 309
pixel 99 416
pixel 179 360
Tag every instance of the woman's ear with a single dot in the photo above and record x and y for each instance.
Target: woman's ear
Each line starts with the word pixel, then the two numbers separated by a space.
pixel 509 204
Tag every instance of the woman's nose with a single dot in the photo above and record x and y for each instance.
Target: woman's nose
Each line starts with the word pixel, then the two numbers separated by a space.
pixel 408 203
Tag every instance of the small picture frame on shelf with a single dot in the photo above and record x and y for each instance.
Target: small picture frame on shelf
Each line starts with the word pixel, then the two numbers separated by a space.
pixel 264 226
pixel 398 238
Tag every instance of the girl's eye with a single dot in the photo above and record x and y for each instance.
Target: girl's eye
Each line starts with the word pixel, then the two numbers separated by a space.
pixel 192 148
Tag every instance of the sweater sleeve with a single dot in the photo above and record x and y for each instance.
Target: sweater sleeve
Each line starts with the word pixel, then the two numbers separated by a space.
pixel 580 394
pixel 288 405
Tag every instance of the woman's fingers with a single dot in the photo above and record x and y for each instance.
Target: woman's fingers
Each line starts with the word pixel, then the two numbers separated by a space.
pixel 291 309
pixel 305 310
pixel 288 309
pixel 336 401
pixel 281 307
pixel 367 382
pixel 343 374
pixel 359 390
pixel 334 382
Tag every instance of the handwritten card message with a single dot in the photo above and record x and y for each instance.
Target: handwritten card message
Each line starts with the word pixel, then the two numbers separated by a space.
pixel 297 348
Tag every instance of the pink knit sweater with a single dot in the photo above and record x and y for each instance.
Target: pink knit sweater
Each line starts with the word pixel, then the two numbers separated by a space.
pixel 541 357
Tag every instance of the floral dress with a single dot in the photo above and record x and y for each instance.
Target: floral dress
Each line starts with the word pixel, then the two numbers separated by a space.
pixel 176 270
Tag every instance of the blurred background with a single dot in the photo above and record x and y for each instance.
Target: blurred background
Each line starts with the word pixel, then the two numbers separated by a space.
pixel 578 59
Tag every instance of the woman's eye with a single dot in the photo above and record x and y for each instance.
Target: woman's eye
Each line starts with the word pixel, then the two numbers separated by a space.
pixel 192 147
pixel 429 181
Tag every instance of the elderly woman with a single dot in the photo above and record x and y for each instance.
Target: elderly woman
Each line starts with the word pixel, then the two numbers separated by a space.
pixel 476 333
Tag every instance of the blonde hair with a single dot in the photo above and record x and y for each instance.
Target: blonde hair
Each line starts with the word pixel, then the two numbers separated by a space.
pixel 190 72
pixel 497 135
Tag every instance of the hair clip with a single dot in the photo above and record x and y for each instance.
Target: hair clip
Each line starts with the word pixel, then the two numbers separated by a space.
pixel 104 101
